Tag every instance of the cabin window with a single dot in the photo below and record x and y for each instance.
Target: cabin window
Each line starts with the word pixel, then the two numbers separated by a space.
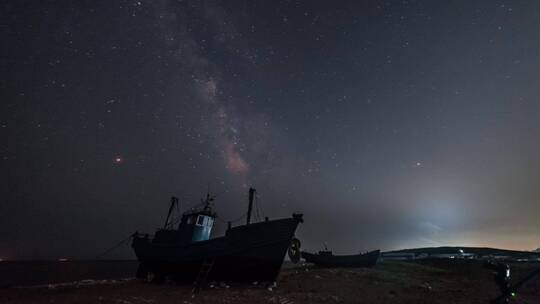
pixel 200 220
pixel 203 228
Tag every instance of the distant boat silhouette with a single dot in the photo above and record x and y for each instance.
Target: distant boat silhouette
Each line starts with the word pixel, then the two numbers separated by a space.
pixel 327 259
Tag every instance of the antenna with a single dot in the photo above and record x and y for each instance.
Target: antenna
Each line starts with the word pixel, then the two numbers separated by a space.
pixel 208 199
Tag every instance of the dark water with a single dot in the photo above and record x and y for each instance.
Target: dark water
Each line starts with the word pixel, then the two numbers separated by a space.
pixel 24 273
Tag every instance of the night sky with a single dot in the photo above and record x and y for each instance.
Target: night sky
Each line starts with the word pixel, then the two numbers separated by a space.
pixel 389 124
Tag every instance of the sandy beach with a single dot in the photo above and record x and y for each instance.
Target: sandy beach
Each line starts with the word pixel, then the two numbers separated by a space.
pixel 429 281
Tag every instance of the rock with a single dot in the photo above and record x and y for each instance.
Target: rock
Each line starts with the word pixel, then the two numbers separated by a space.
pixel 223 285
pixel 426 286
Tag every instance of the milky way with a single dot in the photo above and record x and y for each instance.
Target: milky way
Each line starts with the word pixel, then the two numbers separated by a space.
pixel 206 75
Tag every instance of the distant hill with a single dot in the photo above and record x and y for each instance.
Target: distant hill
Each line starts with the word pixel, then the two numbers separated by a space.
pixel 476 250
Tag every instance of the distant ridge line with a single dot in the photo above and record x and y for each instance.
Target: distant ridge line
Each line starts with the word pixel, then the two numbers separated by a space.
pixel 475 250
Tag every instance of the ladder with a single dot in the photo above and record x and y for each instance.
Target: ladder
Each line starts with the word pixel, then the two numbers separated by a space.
pixel 205 269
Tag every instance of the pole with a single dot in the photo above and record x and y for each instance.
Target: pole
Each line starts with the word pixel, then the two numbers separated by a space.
pixel 174 201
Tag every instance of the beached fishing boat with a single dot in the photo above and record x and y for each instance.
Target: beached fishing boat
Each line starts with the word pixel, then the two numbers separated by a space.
pixel 246 253
pixel 327 259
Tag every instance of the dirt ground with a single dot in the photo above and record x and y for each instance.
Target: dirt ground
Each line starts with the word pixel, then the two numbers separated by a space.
pixel 435 281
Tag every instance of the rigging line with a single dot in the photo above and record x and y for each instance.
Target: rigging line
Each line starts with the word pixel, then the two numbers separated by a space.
pixel 175 221
pixel 240 218
pixel 232 221
pixel 217 218
pixel 257 212
pixel 99 256
pixel 262 211
pixel 259 207
pixel 194 205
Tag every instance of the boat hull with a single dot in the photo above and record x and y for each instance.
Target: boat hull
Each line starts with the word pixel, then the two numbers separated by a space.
pixel 328 260
pixel 246 253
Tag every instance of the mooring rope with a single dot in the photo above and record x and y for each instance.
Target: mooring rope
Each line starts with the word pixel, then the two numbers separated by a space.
pixel 122 242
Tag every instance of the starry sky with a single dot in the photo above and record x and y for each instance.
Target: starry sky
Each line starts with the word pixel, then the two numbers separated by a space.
pixel 389 124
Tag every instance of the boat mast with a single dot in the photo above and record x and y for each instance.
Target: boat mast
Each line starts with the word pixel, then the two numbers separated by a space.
pixel 207 201
pixel 174 200
pixel 250 206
